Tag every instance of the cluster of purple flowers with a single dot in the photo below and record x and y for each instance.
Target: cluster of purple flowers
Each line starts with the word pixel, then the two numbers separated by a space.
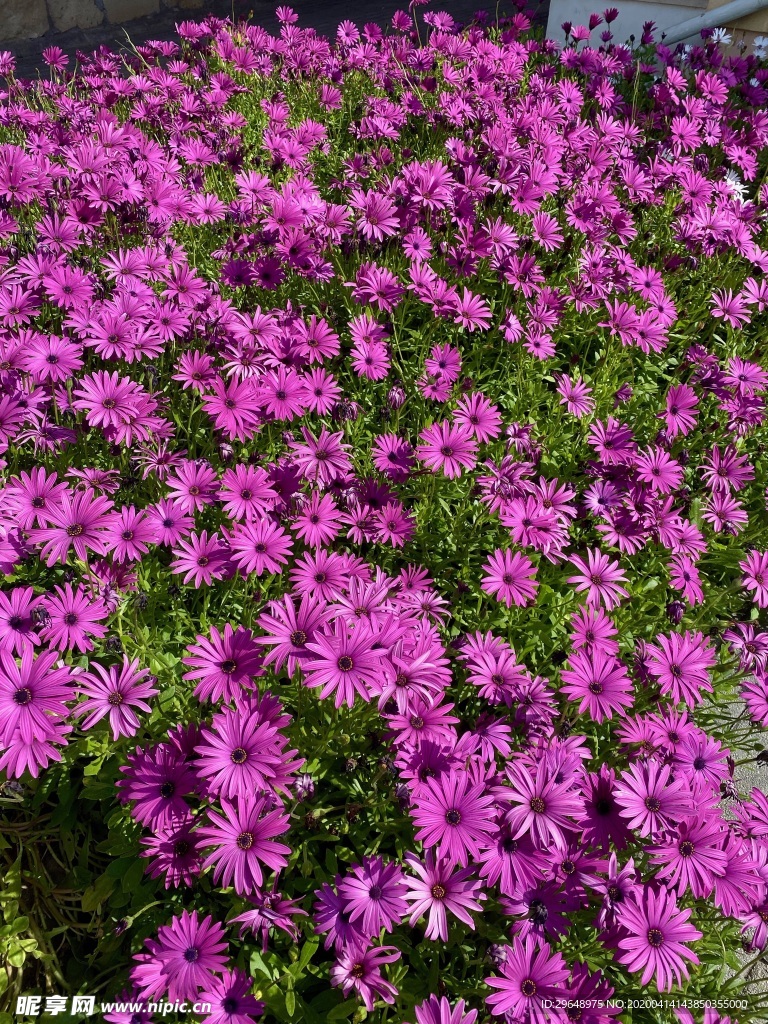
pixel 255 343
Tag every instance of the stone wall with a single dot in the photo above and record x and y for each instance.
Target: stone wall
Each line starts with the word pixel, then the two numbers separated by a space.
pixel 30 19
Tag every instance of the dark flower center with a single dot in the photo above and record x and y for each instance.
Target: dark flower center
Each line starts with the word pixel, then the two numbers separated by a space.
pixel 528 988
pixel 686 848
pixel 568 867
pixel 539 912
pixel 23 696
pixel 75 530
pixel 357 970
pixel 653 804
pixel 70 619
pixel 345 663
pixel 239 755
pixel 192 954
pixel 203 561
pixel 596 688
pixel 375 892
pixel 537 805
pixel 109 403
pixel 167 789
pixel 675 670
pixel 615 894
pixel 180 848
pixel 453 817
pixel 417 722
pixel 244 841
pixel 699 764
pixel 229 1005
pixel 194 490
pixel 228 666
pixel 603 806
pixel 246 495
pixel 438 892
pixel 38 502
pixel 655 938
pixel 115 699
pixel 298 638
pixel 15 621
pixel 446 451
pixel 127 534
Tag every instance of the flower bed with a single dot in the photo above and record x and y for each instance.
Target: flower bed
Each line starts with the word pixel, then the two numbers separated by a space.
pixel 384 526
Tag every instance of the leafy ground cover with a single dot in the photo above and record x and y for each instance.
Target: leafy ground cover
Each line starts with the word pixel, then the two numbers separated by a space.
pixel 384 525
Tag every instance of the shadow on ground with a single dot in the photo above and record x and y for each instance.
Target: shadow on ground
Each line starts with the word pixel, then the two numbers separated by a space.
pixel 323 16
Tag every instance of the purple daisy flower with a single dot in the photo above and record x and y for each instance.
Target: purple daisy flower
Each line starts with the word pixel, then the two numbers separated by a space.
pixel 115 692
pixel 243 840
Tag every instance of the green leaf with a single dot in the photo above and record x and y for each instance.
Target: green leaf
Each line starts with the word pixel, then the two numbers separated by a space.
pixel 308 950
pixel 290 1002
pixel 95 894
pixel 343 1010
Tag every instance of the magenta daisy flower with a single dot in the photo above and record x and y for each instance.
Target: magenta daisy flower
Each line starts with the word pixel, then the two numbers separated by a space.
pixel 657 930
pixel 684 576
pixel 375 892
pixel 575 395
pixel 599 681
pixel 600 578
pixel 479 415
pixel 755 576
pixel 393 456
pixel 510 577
pixel 115 692
pixel 239 754
pixel 439 1011
pixel 243 841
pixel 80 522
pixel 651 799
pixel 201 559
pixel 322 459
pixel 17 619
pixel 73 617
pixel 455 815
pixel 593 630
pixel 437 890
pixel 448 447
pixel 531 978
pixel 359 970
pixel 194 486
pixel 246 492
pixel 31 693
pixel 157 780
pixel 692 856
pixel 681 410
pixel 34 495
pixel 541 804
pixel 681 663
pixel 344 663
pixel 289 629
pixel 259 546
pixel 230 999
pixel 224 665
pixel 129 534
pixel 174 853
pixel 183 959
